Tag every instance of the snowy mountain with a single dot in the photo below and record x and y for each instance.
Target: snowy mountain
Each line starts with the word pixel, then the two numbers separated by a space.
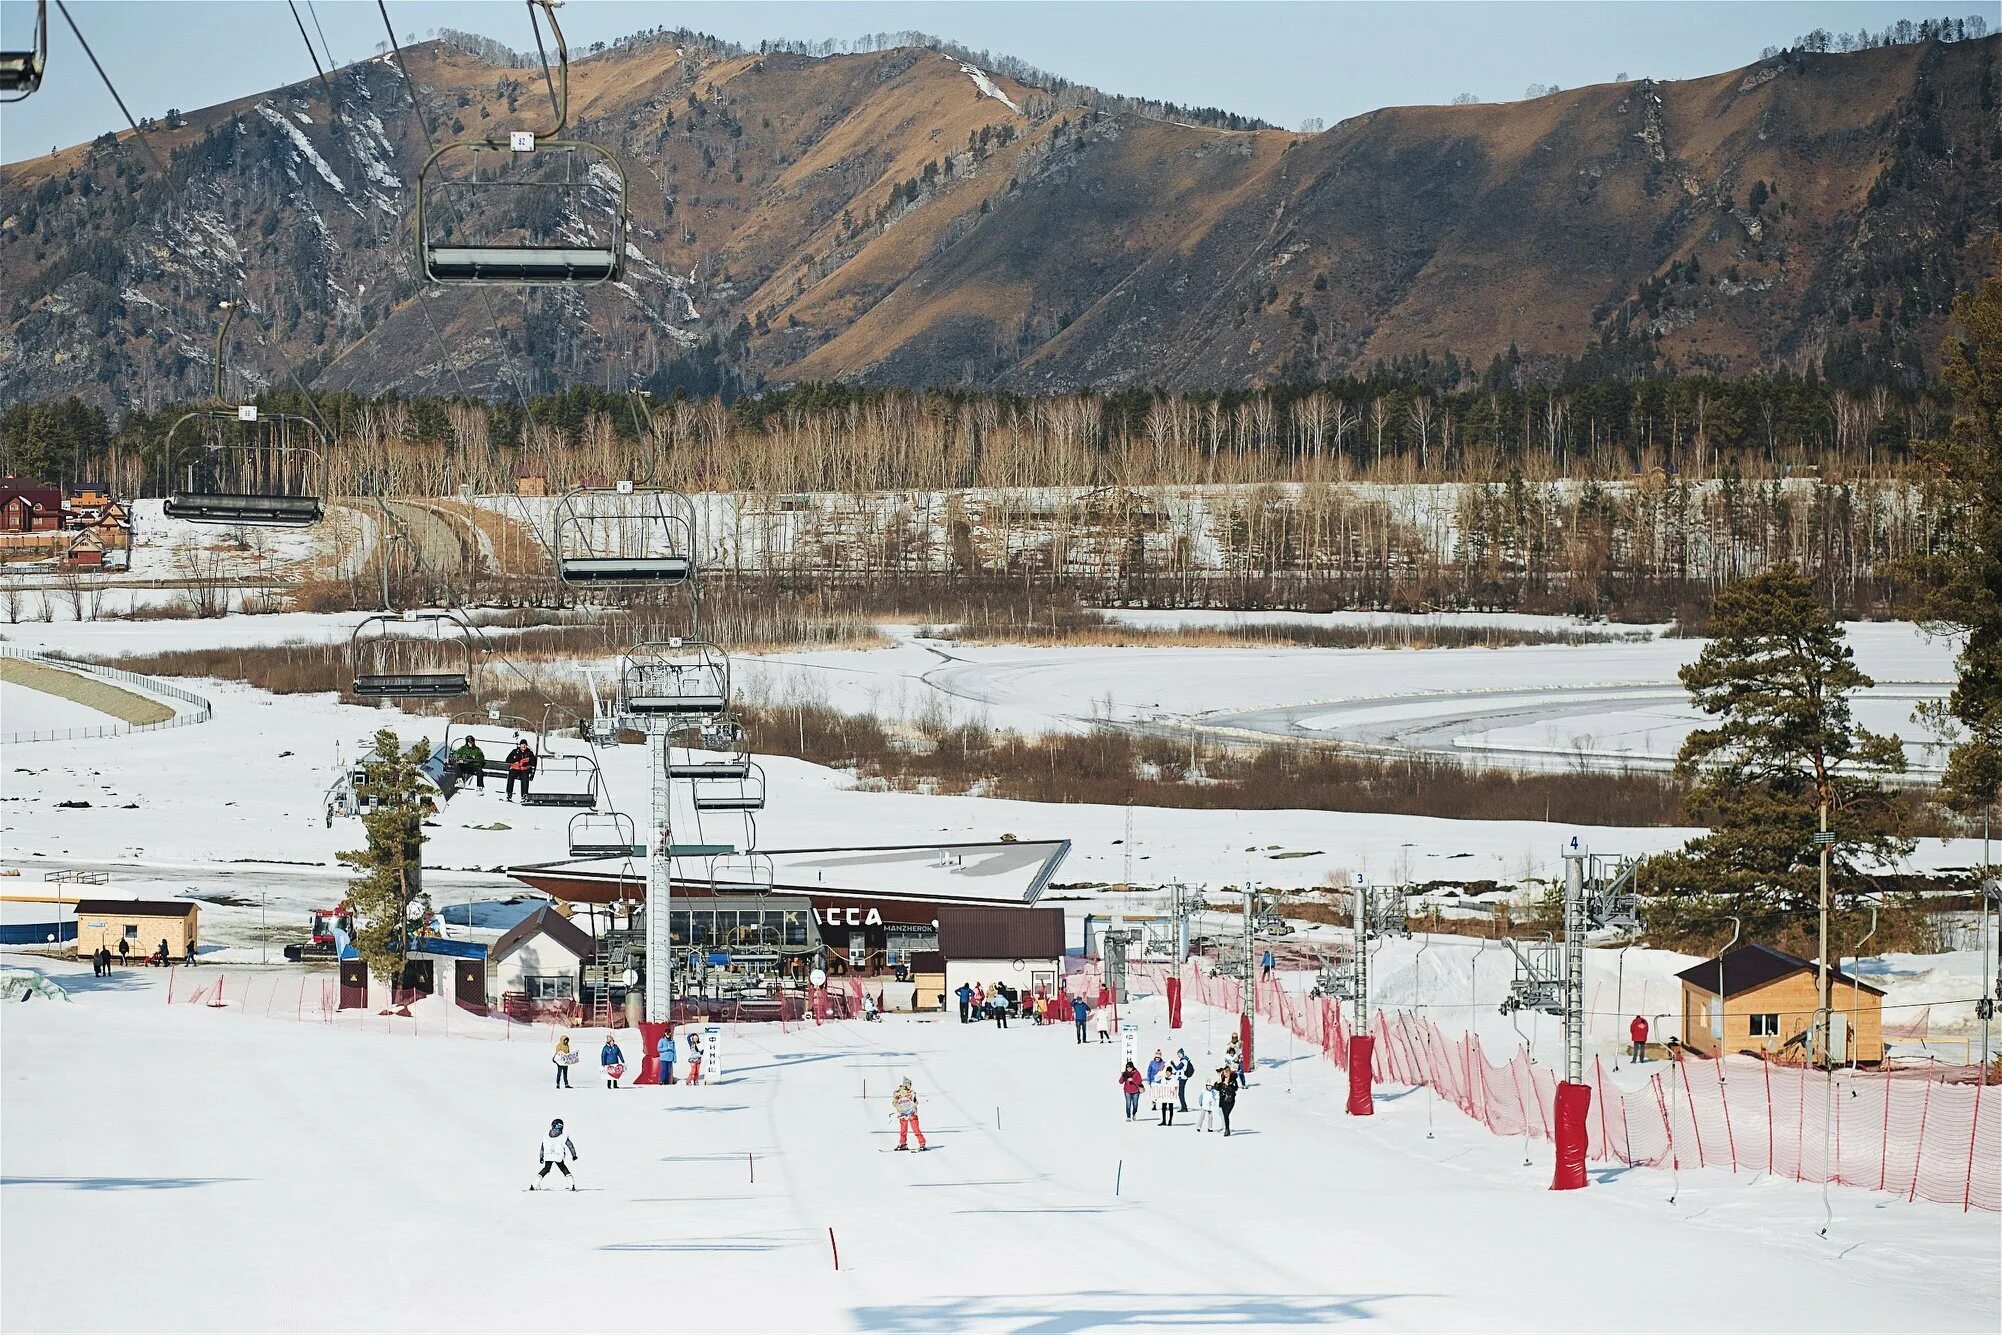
pixel 906 216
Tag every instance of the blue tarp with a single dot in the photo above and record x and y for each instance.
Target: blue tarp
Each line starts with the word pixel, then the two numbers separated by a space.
pixel 438 945
pixel 36 933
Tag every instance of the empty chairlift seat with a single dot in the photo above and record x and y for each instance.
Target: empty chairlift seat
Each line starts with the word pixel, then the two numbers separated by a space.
pixel 742 794
pixel 674 678
pixel 246 469
pixel 563 781
pixel 473 212
pixel 624 535
pixel 412 656
pixel 21 71
pixel 608 834
pixel 729 758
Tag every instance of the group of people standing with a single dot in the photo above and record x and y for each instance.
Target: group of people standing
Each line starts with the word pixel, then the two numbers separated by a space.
pixel 1166 1083
pixel 612 1059
pixel 993 1002
pixel 100 959
pixel 469 763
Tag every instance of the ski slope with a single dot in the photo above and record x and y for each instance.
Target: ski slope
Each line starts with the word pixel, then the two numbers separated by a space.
pixel 288 1176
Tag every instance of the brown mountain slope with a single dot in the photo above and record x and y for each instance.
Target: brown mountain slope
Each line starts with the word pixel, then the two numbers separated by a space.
pixel 899 217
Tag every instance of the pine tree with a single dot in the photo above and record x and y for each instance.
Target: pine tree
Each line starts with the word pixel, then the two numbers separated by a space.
pixel 392 865
pixel 1963 587
pixel 1777 675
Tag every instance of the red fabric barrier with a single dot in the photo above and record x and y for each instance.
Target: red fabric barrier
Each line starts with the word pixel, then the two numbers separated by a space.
pixel 1574 1104
pixel 1917 1136
pixel 1244 1044
pixel 1362 1100
pixel 1174 1003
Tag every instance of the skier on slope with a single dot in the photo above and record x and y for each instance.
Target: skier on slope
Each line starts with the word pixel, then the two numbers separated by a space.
pixel 556 1149
pixel 904 1107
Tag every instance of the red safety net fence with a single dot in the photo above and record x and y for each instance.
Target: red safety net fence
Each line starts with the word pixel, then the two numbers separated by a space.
pixel 1921 1138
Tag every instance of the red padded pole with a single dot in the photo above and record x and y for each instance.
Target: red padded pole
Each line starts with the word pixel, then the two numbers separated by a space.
pixel 1362 1100
pixel 1574 1102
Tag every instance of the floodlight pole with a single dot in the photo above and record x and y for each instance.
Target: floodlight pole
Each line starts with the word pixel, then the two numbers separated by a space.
pixel 1574 965
pixel 1824 1021
pixel 660 883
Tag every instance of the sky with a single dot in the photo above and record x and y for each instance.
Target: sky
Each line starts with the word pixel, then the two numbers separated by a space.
pixel 1282 62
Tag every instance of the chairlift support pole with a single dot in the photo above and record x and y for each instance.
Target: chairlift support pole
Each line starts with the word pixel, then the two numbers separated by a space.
pixel 1575 929
pixel 659 882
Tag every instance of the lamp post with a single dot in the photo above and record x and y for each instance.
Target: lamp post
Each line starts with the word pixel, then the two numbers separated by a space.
pixel 1823 842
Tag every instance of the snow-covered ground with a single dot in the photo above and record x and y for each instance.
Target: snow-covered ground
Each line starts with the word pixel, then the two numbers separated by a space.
pixel 25 709
pixel 235 1194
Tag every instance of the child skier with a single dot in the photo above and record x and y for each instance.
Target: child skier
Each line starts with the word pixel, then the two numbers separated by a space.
pixel 904 1107
pixel 556 1148
pixel 613 1060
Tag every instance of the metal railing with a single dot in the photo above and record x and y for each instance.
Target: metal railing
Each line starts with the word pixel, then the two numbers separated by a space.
pixel 201 711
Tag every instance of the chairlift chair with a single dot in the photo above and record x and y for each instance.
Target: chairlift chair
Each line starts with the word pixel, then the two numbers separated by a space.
pixel 21 71
pixel 724 736
pixel 741 874
pixel 604 834
pixel 412 656
pixel 251 469
pixel 563 781
pixel 495 734
pixel 674 679
pixel 624 536
pixel 713 793
pixel 536 254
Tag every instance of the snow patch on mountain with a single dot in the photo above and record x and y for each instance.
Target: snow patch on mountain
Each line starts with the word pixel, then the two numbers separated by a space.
pixel 987 85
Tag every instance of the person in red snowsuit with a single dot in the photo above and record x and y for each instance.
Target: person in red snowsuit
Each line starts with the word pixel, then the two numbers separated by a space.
pixel 1637 1031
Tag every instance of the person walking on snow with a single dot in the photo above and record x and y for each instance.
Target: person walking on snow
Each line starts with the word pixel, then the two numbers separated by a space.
pixel 564 1059
pixel 520 768
pixel 694 1058
pixel 663 1052
pixel 1079 1013
pixel 965 995
pixel 613 1060
pixel 1130 1084
pixel 1183 1069
pixel 1101 1023
pixel 1265 963
pixel 166 955
pixel 1206 1108
pixel 124 952
pixel 557 1152
pixel 1637 1031
pixel 1226 1093
pixel 904 1107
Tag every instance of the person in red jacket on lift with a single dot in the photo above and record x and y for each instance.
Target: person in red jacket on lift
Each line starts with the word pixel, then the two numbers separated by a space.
pixel 1637 1031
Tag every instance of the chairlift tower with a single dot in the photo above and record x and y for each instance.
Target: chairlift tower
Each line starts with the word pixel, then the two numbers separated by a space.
pixel 1576 925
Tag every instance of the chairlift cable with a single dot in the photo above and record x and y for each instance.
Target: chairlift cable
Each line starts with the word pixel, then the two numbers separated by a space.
pixel 325 45
pixel 333 107
pixel 110 87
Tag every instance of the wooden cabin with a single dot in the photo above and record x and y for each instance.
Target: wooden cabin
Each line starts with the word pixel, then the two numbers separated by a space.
pixel 1759 1000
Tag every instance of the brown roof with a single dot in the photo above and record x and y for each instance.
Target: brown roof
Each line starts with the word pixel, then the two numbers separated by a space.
pixel 143 908
pixel 1753 966
pixel 1000 934
pixel 545 921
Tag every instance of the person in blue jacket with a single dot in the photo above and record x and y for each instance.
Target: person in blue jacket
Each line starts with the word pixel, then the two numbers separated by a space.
pixel 663 1052
pixel 613 1060
pixel 1080 1013
pixel 1265 964
pixel 965 995
pixel 1155 1067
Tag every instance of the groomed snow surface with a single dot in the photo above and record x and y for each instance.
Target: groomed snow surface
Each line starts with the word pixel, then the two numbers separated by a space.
pixel 181 1167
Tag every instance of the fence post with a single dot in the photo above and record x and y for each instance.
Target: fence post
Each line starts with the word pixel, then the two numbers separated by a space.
pixel 1919 1150
pixel 1973 1134
pixel 1724 1099
pixel 1768 1071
